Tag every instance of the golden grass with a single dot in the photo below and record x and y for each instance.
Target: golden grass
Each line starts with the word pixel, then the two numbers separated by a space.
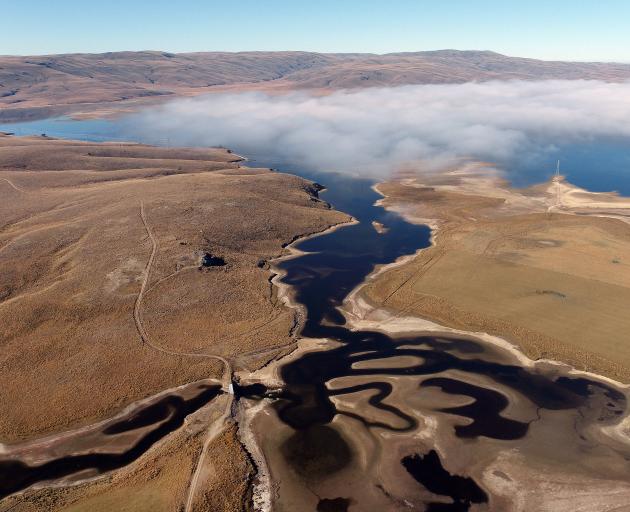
pixel 73 249
pixel 557 285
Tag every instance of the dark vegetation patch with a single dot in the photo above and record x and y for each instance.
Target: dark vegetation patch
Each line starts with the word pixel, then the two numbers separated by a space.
pixel 208 260
pixel 552 293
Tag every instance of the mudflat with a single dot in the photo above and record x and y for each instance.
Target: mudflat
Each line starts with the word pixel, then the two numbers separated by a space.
pixel 545 268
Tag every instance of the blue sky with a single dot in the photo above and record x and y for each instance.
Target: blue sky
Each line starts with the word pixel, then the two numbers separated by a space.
pixel 548 29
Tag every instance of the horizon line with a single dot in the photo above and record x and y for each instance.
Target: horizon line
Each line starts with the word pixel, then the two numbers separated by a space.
pixel 408 52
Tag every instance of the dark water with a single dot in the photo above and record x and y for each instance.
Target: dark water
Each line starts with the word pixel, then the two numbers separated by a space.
pixel 428 470
pixel 335 263
pixel 167 415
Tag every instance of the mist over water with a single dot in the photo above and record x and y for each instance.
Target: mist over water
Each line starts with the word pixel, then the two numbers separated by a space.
pixel 520 127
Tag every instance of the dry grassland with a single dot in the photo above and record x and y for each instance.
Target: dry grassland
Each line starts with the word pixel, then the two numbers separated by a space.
pixel 556 284
pixel 91 85
pixel 73 253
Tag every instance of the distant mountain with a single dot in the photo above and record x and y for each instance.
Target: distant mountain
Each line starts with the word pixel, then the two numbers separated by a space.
pixel 46 85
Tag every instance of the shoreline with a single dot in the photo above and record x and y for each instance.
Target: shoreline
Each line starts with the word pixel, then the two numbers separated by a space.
pixel 10 449
pixel 195 424
pixel 45 448
pixel 284 290
pixel 512 228
pixel 357 313
pixel 246 413
pixel 355 308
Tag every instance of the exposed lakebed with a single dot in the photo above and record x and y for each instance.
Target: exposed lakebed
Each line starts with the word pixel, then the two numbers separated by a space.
pixel 352 429
pixel 314 381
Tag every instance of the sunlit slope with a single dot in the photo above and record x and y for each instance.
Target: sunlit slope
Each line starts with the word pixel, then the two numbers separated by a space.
pixel 40 86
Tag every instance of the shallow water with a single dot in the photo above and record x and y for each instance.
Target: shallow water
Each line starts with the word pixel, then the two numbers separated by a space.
pixel 334 264
pixel 164 416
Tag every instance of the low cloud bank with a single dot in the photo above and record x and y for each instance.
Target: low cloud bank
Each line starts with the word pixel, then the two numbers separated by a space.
pixel 375 131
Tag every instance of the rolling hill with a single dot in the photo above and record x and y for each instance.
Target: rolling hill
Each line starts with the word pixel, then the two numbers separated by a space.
pixel 40 86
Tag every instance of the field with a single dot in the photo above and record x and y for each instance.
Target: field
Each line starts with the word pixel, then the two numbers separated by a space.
pixel 504 262
pixel 127 270
pixel 74 250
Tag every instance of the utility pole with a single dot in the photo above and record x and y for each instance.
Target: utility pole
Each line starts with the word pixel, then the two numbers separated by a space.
pixel 557 180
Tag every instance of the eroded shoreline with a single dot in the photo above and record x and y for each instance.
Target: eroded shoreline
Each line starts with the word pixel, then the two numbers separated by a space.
pixel 375 436
pixel 510 260
pixel 363 317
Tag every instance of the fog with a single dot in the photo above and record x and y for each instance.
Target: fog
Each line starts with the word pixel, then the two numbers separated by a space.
pixel 377 130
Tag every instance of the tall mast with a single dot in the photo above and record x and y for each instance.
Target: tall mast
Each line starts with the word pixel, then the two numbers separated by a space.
pixel 557 180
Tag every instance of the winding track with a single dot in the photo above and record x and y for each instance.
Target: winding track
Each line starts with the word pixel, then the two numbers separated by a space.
pixel 13 185
pixel 218 426
pixel 137 311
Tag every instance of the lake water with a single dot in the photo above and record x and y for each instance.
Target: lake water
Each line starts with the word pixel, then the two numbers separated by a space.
pixel 600 165
pixel 337 262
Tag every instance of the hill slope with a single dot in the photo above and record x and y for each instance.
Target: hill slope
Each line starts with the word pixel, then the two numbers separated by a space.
pixel 46 85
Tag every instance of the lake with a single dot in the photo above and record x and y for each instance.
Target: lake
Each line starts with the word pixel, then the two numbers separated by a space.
pixel 596 164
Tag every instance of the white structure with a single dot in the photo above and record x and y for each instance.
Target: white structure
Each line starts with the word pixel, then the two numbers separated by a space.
pixel 556 180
